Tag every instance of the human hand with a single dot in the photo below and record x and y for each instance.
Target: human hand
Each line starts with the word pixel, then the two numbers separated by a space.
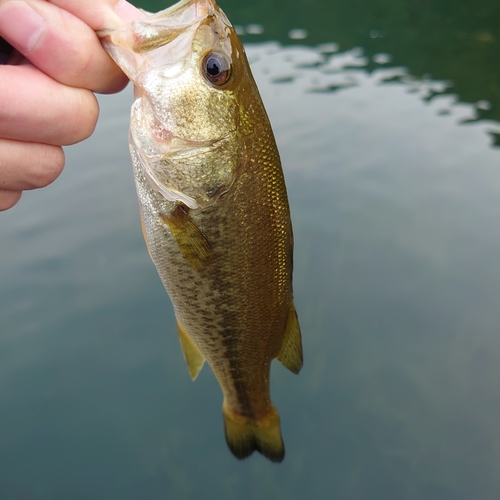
pixel 46 89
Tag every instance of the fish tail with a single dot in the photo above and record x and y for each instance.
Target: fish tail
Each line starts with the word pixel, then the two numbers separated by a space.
pixel 244 435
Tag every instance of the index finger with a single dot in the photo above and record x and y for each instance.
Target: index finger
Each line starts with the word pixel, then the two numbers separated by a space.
pixel 60 44
pixel 101 14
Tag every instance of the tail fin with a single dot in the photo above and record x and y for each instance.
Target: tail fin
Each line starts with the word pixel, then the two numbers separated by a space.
pixel 244 435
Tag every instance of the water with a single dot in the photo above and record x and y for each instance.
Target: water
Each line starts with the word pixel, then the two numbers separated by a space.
pixel 394 184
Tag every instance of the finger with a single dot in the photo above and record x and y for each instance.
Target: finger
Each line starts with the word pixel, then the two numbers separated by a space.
pixel 59 44
pixel 36 108
pixel 9 198
pixel 28 165
pixel 101 14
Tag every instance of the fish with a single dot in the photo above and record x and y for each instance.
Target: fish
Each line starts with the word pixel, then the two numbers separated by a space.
pixel 214 208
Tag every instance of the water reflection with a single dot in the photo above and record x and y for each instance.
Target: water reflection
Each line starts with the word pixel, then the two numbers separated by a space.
pixel 325 70
pixel 395 194
pixel 459 44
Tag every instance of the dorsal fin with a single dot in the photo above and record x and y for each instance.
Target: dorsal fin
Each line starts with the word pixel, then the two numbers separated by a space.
pixel 290 354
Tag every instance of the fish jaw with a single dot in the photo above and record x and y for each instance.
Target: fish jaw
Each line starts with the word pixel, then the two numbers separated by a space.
pixel 133 45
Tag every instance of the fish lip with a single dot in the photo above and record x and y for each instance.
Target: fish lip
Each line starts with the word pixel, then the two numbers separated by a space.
pixel 133 45
pixel 202 7
pixel 173 16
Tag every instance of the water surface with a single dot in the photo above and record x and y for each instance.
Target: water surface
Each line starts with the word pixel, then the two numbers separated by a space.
pixel 394 184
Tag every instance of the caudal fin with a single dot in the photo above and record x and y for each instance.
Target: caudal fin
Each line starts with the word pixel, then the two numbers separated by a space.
pixel 244 435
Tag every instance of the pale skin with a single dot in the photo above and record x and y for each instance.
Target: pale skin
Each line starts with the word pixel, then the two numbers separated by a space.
pixel 47 86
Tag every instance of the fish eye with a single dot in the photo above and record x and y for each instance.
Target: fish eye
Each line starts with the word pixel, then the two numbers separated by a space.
pixel 216 68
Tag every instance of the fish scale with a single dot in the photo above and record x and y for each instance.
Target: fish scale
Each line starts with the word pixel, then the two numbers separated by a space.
pixel 214 208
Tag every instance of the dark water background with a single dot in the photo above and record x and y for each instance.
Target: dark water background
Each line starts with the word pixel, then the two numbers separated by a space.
pixel 386 115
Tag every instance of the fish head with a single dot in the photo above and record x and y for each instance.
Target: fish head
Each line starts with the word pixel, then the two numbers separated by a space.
pixel 191 77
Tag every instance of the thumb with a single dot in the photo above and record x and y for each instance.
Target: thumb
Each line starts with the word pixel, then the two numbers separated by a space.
pixel 101 14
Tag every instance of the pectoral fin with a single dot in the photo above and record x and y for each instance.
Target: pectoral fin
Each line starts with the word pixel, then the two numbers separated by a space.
pixel 194 358
pixel 290 355
pixel 192 243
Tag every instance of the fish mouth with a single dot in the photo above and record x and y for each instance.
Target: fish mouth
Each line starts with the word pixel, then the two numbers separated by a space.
pixel 133 45
pixel 202 8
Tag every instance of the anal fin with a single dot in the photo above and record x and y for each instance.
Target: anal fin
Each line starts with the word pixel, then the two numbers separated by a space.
pixel 194 358
pixel 192 243
pixel 290 355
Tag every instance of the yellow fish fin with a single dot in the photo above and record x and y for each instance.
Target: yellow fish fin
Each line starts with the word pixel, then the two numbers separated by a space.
pixel 244 435
pixel 194 358
pixel 192 243
pixel 290 355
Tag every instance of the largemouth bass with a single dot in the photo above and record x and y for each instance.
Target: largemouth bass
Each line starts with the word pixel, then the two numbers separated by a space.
pixel 214 208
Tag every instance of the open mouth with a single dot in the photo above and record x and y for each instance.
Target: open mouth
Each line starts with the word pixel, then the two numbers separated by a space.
pixel 133 45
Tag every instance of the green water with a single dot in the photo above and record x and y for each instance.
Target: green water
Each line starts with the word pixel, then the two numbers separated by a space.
pixel 389 153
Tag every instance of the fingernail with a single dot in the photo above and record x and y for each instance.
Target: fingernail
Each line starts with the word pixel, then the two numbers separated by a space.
pixel 21 25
